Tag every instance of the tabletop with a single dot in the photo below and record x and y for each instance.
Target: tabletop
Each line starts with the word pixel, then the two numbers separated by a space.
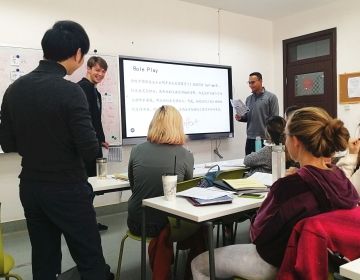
pixel 183 208
pixel 351 270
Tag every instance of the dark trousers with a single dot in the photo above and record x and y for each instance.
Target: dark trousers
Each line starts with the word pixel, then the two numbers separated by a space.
pixel 250 146
pixel 90 166
pixel 52 209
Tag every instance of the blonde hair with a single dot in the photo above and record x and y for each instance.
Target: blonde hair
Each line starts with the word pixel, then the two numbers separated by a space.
pixel 320 134
pixel 166 127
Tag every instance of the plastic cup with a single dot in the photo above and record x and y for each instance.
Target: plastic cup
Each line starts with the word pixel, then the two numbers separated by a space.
pixel 169 185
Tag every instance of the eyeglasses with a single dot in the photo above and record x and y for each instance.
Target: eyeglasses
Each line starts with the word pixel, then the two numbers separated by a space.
pixel 251 82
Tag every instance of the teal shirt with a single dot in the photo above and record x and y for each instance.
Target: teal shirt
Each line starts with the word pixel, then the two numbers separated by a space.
pixel 147 163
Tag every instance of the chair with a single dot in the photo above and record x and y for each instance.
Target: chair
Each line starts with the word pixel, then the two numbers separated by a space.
pixel 177 229
pixel 132 236
pixel 311 240
pixel 180 229
pixel 7 262
pixel 230 174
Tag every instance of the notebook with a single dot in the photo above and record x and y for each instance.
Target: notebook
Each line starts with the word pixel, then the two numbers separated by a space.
pixel 203 202
pixel 247 184
pixel 206 196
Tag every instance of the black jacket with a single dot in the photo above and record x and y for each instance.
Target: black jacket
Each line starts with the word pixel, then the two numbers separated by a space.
pixel 45 118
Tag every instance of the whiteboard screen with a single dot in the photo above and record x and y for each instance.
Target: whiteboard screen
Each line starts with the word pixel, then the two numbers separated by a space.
pixel 201 92
pixel 16 61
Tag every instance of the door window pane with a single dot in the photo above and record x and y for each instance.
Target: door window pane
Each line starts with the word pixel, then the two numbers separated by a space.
pixel 309 84
pixel 309 50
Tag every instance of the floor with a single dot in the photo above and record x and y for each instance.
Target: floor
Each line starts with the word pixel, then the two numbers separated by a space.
pixel 18 245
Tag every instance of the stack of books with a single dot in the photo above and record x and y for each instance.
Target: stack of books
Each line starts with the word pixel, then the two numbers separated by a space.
pixel 206 196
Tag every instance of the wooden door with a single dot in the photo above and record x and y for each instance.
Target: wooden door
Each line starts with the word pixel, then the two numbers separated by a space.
pixel 310 71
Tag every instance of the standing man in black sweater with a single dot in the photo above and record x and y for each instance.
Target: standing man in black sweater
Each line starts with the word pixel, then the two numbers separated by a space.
pixel 45 119
pixel 96 70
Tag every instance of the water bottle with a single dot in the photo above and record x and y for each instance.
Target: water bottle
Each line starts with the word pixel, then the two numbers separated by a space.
pixel 258 145
pixel 278 161
pixel 101 168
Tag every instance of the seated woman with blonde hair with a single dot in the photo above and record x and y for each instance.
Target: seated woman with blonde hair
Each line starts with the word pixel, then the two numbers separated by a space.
pixel 311 135
pixel 148 162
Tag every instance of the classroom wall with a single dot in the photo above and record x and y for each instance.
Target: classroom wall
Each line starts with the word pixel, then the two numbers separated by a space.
pixel 346 19
pixel 163 29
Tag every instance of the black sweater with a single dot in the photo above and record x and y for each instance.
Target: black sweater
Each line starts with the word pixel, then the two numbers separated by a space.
pixel 93 96
pixel 46 119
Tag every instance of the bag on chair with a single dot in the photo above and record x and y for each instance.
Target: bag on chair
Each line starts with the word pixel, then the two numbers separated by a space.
pixel 209 178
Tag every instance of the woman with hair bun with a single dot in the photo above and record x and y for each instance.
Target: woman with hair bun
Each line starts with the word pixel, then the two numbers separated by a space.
pixel 316 187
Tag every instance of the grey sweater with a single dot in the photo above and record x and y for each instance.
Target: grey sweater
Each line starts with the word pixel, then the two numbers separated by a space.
pixel 261 107
pixel 147 163
pixel 259 161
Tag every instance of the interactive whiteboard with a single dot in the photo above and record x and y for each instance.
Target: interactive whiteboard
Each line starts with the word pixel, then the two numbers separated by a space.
pixel 201 92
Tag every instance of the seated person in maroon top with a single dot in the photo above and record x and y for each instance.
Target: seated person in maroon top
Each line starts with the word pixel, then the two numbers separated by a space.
pixel 311 136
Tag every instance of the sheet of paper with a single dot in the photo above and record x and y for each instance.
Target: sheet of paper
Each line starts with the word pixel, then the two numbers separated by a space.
pixel 233 163
pixel 202 193
pixel 114 154
pixel 265 178
pixel 354 87
pixel 239 107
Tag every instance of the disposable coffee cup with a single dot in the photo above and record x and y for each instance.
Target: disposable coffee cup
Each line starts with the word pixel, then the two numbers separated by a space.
pixel 169 184
pixel 101 168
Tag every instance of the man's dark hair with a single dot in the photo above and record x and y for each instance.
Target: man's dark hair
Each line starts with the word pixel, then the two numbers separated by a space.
pixel 92 61
pixel 63 40
pixel 257 74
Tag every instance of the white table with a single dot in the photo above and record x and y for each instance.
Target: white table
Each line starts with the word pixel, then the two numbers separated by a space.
pixel 182 208
pixel 351 270
pixel 110 184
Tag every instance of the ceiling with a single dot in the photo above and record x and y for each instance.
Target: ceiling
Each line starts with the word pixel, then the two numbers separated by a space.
pixel 266 9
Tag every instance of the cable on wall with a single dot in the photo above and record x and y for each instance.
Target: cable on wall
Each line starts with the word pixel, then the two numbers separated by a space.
pixel 218 141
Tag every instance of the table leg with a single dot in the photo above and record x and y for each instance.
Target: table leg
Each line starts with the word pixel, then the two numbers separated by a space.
pixel 211 250
pixel 143 245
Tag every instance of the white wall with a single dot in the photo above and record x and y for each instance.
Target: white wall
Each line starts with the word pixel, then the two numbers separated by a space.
pixel 346 19
pixel 164 29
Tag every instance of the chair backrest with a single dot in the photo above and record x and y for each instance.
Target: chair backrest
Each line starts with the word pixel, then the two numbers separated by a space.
pixel 182 186
pixel 181 229
pixel 312 237
pixel 1 248
pixel 232 174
